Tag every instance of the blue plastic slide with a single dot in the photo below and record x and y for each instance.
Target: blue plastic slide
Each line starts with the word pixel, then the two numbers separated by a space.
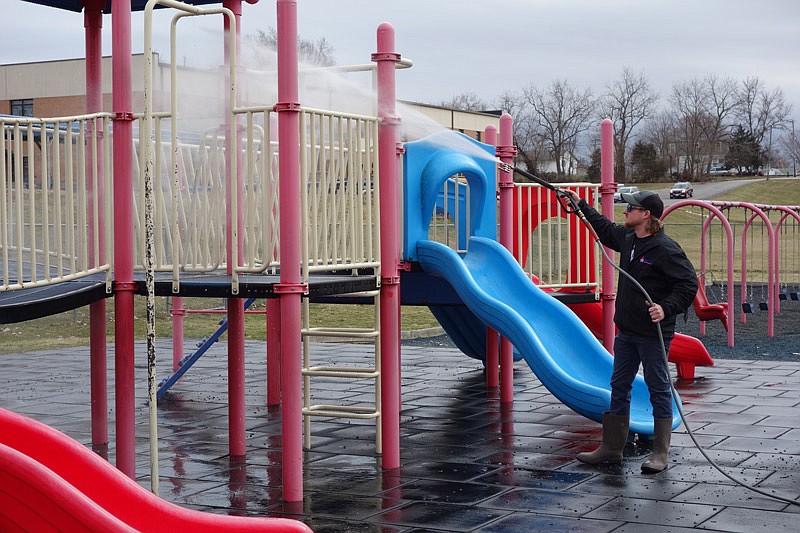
pixel 558 347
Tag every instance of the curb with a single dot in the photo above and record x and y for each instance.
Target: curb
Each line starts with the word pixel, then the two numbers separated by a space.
pixel 421 333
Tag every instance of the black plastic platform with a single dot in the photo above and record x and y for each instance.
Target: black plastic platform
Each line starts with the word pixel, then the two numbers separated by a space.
pixel 37 302
pixel 217 285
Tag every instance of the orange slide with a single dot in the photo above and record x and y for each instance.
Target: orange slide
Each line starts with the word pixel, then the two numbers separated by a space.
pixel 685 351
pixel 50 482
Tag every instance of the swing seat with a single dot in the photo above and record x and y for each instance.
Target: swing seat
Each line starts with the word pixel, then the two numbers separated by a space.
pixel 764 306
pixel 747 307
pixel 783 297
pixel 706 311
pixel 794 296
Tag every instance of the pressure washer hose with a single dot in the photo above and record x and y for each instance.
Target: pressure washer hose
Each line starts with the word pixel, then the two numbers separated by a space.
pixel 573 208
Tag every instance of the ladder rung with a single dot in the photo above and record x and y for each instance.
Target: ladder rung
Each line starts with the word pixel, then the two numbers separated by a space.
pixel 333 372
pixel 340 332
pixel 341 411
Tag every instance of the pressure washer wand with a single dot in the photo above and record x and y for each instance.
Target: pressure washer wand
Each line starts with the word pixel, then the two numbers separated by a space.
pixel 508 168
pixel 564 197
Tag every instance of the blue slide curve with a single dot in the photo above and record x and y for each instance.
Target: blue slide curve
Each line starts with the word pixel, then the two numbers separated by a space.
pixel 556 344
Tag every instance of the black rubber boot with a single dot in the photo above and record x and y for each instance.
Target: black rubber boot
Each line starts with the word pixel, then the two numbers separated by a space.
pixel 658 460
pixel 615 433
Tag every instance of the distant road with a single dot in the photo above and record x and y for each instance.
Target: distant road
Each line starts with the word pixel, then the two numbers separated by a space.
pixel 709 191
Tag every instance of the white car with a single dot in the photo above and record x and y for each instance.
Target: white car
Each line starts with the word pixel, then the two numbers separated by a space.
pixel 626 190
pixel 719 171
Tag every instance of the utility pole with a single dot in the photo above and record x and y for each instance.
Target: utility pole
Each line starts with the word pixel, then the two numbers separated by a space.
pixel 769 154
pixel 794 150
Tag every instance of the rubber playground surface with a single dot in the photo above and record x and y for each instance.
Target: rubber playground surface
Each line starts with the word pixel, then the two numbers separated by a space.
pixel 468 463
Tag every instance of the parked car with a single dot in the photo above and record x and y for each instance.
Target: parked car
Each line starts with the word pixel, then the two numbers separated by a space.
pixel 719 171
pixel 626 190
pixel 682 189
pixel 777 172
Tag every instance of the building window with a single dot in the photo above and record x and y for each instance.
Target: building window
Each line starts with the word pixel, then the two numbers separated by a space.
pixel 11 159
pixel 22 108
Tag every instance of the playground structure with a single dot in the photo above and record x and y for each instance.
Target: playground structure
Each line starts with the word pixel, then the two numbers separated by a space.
pixel 323 197
pixel 775 253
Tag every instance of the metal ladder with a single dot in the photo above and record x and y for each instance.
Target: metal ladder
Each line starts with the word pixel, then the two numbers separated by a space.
pixel 371 371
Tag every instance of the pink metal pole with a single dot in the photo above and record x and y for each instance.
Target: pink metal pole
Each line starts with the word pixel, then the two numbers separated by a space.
pixel 236 389
pixel 758 212
pixel 178 316
pixel 124 286
pixel 771 256
pixel 506 152
pixel 715 212
pixel 787 212
pixel 290 287
pixel 273 351
pixel 702 278
pixel 98 368
pixel 388 138
pixel 492 347
pixel 607 188
pixel 743 285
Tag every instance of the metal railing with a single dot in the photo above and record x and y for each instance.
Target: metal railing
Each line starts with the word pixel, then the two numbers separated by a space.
pixel 55 184
pixel 191 191
pixel 340 198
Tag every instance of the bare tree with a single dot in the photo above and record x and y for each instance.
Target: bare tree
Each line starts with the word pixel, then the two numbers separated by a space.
pixel 698 112
pixel 627 102
pixel 791 146
pixel 760 109
pixel 318 53
pixel 528 139
pixel 465 102
pixel 661 132
pixel 722 104
pixel 562 113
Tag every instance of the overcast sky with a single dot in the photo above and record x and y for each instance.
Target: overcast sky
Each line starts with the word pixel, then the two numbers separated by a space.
pixel 491 47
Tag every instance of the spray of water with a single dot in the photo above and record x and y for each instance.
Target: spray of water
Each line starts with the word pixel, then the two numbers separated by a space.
pixel 330 88
pixel 417 125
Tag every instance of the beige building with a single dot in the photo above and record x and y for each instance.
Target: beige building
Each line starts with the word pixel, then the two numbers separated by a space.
pixel 58 88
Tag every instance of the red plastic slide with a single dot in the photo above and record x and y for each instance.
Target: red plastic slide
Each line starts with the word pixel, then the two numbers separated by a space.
pixel 685 351
pixel 50 482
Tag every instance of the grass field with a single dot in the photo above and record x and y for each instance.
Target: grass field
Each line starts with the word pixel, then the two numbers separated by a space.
pixel 72 328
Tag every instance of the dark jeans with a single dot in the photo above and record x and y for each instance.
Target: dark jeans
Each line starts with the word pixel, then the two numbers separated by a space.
pixel 629 352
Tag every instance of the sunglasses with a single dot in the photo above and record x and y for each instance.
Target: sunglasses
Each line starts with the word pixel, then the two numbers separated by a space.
pixel 630 208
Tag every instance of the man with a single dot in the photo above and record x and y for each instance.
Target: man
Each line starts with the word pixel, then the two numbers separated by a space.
pixel 660 265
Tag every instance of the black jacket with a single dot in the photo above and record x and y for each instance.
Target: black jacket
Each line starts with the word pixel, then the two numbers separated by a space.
pixel 658 263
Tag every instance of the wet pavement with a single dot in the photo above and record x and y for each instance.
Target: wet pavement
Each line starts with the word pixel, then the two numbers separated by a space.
pixel 468 462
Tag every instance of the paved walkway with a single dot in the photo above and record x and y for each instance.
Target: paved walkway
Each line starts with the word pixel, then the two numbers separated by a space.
pixel 468 463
